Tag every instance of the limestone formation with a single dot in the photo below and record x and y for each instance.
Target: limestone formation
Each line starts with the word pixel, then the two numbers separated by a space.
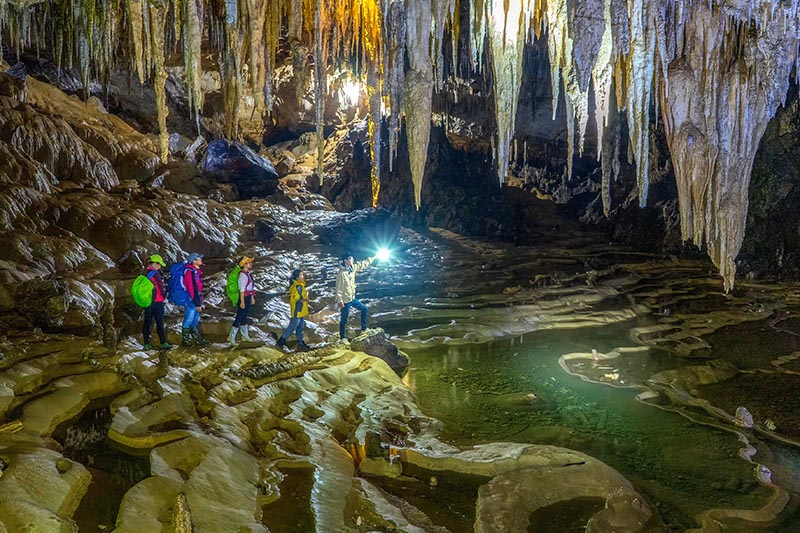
pixel 730 59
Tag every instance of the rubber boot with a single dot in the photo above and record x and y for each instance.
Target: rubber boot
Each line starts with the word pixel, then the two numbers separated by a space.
pixel 165 346
pixel 232 336
pixel 281 342
pixel 245 334
pixel 198 338
pixel 147 347
pixel 186 338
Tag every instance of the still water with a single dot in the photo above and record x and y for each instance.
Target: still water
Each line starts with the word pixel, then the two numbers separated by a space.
pixel 485 361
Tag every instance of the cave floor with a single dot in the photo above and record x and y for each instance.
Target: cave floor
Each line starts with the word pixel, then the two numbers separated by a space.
pixel 636 360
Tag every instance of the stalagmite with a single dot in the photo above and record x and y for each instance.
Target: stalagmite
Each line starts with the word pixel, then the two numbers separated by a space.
pixel 419 90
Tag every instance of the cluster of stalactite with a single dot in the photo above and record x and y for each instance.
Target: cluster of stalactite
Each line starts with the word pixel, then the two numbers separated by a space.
pixel 715 69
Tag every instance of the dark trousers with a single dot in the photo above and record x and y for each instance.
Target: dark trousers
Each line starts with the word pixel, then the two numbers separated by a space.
pixel 296 326
pixel 154 312
pixel 241 314
pixel 358 306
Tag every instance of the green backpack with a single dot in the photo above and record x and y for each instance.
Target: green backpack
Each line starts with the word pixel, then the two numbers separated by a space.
pixel 232 287
pixel 142 290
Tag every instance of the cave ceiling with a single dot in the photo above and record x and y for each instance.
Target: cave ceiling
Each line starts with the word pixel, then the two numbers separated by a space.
pixel 714 71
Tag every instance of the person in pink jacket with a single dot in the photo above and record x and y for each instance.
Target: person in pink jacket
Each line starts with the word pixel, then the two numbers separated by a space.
pixel 193 283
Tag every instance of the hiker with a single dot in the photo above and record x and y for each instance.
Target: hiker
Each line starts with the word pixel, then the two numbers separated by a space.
pixel 246 298
pixel 346 291
pixel 155 312
pixel 298 308
pixel 186 290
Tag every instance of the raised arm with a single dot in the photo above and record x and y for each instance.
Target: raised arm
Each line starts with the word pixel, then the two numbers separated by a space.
pixel 361 265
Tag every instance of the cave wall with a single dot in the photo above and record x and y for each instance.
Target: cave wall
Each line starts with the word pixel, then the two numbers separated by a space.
pixel 713 73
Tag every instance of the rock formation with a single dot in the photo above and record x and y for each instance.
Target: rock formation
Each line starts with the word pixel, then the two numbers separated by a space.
pixel 728 58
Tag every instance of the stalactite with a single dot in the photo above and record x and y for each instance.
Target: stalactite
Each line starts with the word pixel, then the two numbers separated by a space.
pixel 158 15
pixel 442 14
pixel 477 31
pixel 231 67
pixel 320 80
pixel 720 70
pixel 257 21
pixel 508 29
pixel 394 37
pixel 608 142
pixel 639 70
pixel 192 24
pixel 727 84
pixel 602 77
pixel 418 91
pixel 375 101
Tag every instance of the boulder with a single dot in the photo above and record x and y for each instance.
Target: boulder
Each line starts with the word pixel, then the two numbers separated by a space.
pixel 376 343
pixel 360 231
pixel 233 162
pixel 263 230
pixel 43 302
pixel 13 87
pixel 179 144
pixel 286 164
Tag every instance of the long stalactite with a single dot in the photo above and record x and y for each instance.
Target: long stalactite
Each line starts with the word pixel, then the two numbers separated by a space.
pixel 717 70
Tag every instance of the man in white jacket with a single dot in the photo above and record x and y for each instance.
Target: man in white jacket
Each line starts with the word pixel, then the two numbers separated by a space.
pixel 346 291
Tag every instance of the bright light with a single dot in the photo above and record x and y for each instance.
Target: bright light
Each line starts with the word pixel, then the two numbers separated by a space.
pixel 351 91
pixel 383 254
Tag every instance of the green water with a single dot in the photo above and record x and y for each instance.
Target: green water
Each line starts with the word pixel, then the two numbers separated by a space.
pixel 565 517
pixel 514 390
pixel 286 515
pixel 113 473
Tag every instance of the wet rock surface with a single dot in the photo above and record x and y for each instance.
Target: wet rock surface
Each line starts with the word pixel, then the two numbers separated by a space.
pixel 376 343
pixel 232 162
pixel 361 231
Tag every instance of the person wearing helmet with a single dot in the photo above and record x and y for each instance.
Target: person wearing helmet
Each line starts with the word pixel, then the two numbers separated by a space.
pixel 155 313
pixel 346 291
pixel 247 297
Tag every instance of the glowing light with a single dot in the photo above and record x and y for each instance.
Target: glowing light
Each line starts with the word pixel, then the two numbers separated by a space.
pixel 383 254
pixel 351 92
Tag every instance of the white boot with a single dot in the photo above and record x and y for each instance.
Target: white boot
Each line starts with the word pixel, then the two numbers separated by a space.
pixel 245 334
pixel 232 336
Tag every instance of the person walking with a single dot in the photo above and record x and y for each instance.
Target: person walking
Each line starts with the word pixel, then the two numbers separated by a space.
pixel 155 313
pixel 346 291
pixel 298 309
pixel 247 297
pixel 193 284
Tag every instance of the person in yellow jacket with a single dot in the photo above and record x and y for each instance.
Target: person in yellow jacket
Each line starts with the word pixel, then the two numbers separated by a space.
pixel 298 308
pixel 346 291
